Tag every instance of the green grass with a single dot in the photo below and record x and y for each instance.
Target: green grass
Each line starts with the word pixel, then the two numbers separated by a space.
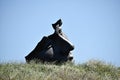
pixel 92 70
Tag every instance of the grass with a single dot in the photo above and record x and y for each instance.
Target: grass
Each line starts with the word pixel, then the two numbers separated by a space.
pixel 92 70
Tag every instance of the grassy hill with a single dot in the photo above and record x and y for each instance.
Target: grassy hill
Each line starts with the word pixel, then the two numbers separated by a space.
pixel 92 70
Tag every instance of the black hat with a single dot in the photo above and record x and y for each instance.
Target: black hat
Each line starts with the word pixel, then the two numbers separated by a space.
pixel 58 22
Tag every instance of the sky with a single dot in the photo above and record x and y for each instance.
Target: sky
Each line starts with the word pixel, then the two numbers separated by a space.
pixel 93 26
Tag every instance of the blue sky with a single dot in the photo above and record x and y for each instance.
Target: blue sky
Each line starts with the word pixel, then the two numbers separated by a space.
pixel 93 26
